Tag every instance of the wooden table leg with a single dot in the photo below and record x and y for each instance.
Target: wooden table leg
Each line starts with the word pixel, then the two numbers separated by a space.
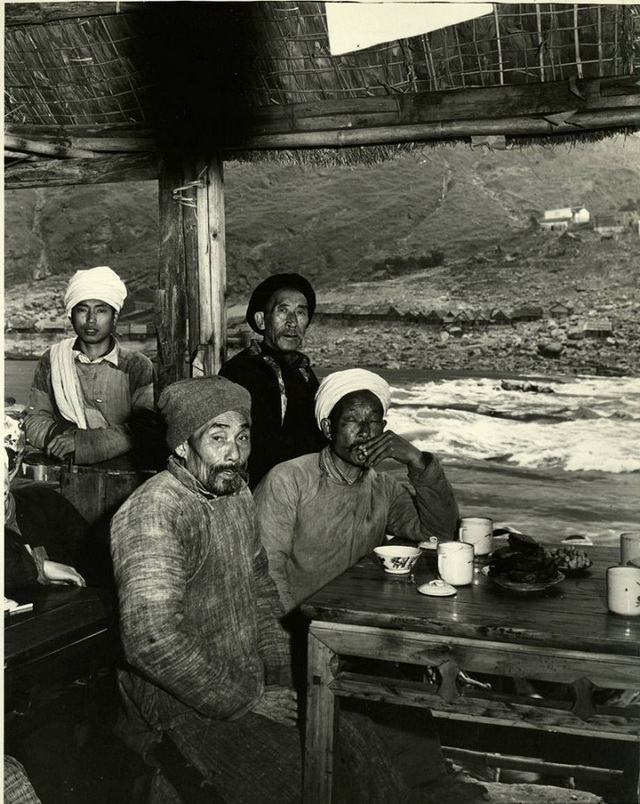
pixel 320 727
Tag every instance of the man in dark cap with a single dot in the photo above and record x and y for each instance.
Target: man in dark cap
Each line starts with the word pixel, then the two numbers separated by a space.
pixel 277 375
pixel 208 678
pixel 209 668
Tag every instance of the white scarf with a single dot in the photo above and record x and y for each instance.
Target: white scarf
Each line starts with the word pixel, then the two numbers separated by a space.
pixel 66 385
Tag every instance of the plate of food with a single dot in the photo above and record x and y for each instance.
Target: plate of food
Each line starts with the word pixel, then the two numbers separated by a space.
pixel 571 561
pixel 523 565
pixel 524 586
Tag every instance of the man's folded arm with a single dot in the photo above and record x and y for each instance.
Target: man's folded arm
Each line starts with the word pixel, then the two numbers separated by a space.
pixel 43 420
pixel 434 511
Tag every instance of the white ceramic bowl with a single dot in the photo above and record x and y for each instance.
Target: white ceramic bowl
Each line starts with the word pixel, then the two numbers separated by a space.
pixel 397 560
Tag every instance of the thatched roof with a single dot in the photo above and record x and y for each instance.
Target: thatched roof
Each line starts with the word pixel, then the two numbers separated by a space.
pixel 260 75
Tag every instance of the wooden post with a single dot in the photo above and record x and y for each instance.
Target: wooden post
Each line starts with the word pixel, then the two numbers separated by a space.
pixel 212 271
pixel 190 310
pixel 170 307
pixel 321 724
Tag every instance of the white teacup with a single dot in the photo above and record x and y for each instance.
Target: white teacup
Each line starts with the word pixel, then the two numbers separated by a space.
pixel 397 559
pixel 629 548
pixel 478 531
pixel 455 563
pixel 623 590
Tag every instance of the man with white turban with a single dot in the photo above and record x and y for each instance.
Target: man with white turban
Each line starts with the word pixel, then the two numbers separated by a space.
pixel 321 513
pixel 87 388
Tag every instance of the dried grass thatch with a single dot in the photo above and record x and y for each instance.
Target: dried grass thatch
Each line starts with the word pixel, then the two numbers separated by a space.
pixel 114 68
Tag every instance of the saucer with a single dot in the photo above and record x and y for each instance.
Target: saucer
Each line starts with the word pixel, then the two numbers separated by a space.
pixel 437 588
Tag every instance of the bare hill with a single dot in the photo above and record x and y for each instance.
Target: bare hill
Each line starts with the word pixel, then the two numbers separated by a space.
pixel 448 226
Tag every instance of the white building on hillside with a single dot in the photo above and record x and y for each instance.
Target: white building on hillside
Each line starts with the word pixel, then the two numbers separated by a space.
pixel 563 214
pixel 580 215
pixel 558 220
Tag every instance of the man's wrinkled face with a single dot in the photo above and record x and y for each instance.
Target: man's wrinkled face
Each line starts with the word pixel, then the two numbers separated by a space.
pixel 93 320
pixel 356 418
pixel 217 453
pixel 284 320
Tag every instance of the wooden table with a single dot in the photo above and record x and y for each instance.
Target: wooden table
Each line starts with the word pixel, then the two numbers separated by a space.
pixel 563 634
pixel 69 633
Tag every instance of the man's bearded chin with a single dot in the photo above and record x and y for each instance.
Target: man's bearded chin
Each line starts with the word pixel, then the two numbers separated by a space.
pixel 217 484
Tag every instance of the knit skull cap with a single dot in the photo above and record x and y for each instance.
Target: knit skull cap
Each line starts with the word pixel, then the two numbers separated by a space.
pixel 187 405
pixel 95 283
pixel 340 383
pixel 266 289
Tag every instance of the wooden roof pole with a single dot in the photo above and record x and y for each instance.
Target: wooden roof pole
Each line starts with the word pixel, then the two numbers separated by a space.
pixel 212 268
pixel 190 304
pixel 170 304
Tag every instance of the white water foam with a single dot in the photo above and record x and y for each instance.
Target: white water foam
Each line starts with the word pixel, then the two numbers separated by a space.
pixel 585 424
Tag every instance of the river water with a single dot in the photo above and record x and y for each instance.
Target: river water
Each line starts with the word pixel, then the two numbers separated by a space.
pixel 550 456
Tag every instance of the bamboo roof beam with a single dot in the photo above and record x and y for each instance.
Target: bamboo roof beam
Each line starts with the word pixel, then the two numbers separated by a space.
pixel 98 170
pixel 421 107
pixel 69 145
pixel 453 129
pixel 40 13
pixel 41 148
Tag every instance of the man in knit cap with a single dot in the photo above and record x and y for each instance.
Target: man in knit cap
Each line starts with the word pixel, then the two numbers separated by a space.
pixel 277 375
pixel 209 668
pixel 319 514
pixel 87 389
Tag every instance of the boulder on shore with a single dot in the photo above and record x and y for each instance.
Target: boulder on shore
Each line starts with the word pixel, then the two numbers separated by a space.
pixel 550 348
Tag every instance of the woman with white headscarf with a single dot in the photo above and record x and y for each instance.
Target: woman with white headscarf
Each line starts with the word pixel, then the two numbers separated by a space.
pixel 87 388
pixel 321 513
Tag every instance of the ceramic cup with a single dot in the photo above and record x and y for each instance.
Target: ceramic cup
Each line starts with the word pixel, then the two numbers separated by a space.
pixel 455 563
pixel 397 560
pixel 623 591
pixel 478 531
pixel 629 549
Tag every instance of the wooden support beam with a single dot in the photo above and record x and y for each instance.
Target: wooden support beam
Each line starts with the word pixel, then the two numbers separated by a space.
pixel 579 123
pixel 69 144
pixel 212 272
pixel 531 764
pixel 41 13
pixel 43 148
pixel 192 261
pixel 615 93
pixel 171 304
pixel 38 131
pixel 99 170
pixel 478 103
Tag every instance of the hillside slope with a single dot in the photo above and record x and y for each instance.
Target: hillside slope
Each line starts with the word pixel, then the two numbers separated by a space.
pixel 449 226
pixel 333 224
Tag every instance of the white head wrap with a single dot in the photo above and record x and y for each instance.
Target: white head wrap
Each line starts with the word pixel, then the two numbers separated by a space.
pixel 340 383
pixel 95 283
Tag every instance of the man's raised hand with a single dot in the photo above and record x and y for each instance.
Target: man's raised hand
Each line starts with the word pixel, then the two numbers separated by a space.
pixel 391 445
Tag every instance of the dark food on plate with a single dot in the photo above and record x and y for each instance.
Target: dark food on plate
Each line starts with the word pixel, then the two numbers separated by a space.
pixel 571 559
pixel 523 561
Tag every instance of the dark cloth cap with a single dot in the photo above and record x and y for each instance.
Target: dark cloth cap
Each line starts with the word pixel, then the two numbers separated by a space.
pixel 268 287
pixel 187 405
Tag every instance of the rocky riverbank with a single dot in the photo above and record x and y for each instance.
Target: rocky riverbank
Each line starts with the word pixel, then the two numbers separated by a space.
pixel 542 347
pixel 382 322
